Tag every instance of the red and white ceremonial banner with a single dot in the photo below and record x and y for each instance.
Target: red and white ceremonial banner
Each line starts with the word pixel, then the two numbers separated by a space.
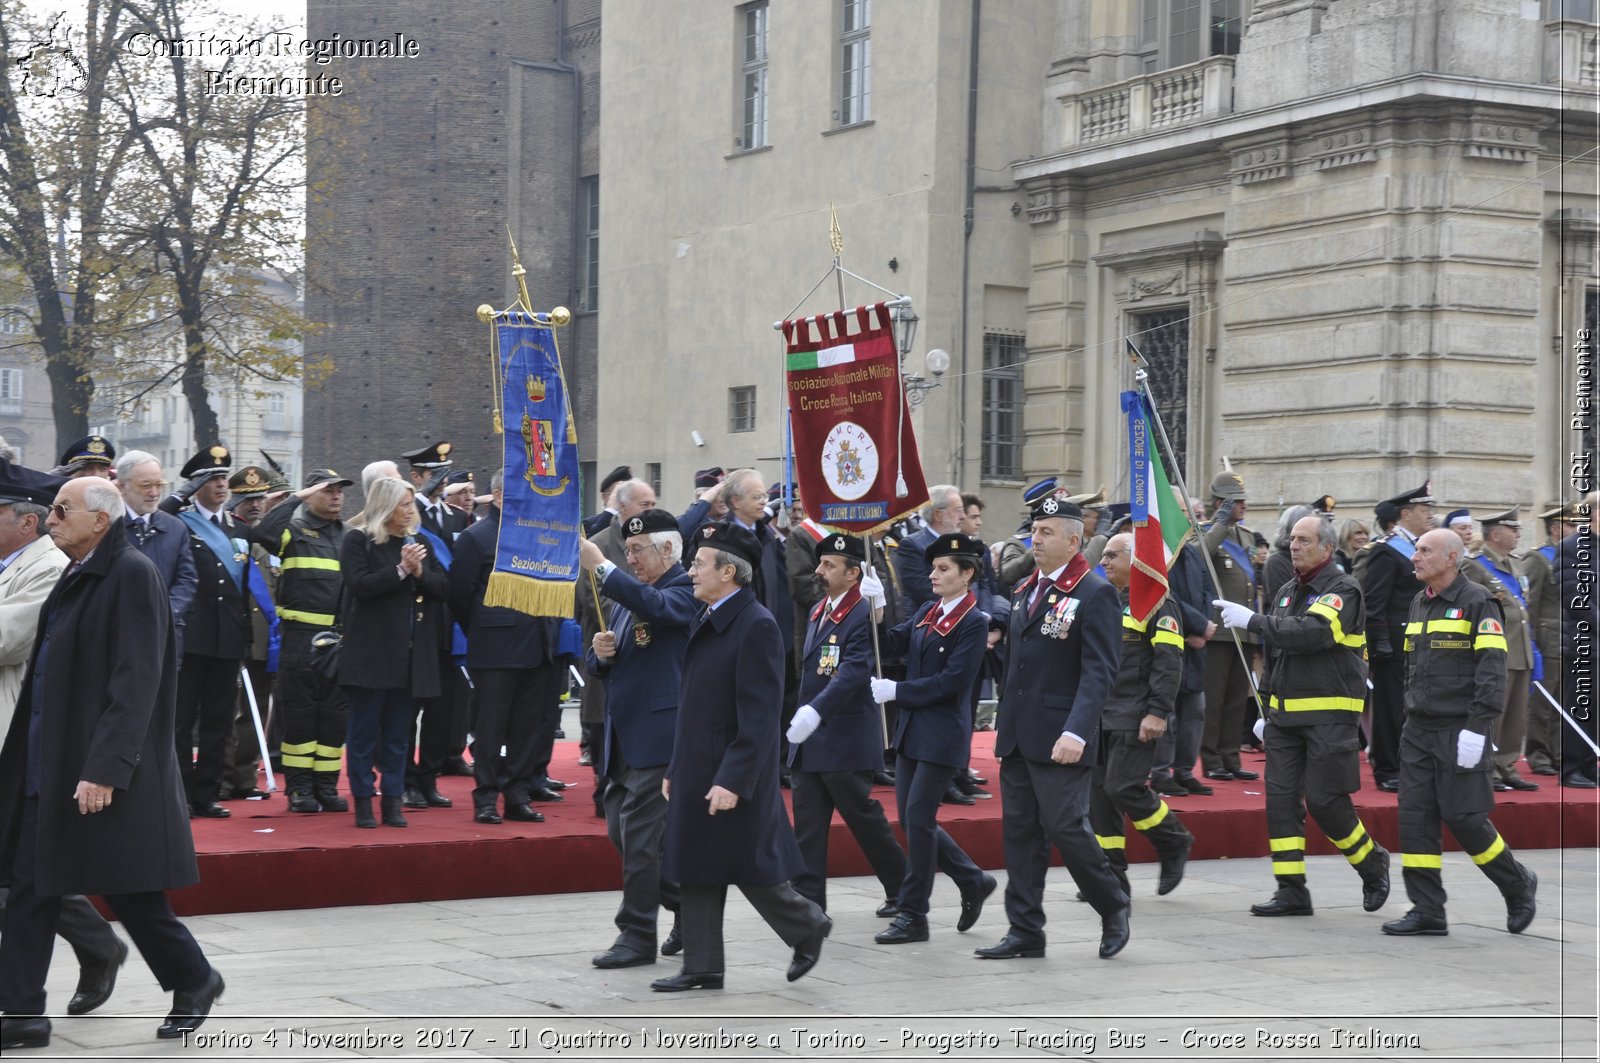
pixel 855 454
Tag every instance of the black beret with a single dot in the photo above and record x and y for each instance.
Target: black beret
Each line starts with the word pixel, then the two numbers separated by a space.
pixel 1056 504
pixel 956 544
pixel 732 538
pixel 844 545
pixel 614 477
pixel 648 522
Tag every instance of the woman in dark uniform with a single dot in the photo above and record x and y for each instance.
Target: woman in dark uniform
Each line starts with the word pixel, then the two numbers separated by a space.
pixel 943 646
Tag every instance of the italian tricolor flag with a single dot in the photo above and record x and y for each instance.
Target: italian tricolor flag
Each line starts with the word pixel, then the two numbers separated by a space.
pixel 1160 522
pixel 843 354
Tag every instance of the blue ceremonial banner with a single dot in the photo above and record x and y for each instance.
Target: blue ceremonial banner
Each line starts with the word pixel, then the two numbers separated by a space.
pixel 1138 456
pixel 536 558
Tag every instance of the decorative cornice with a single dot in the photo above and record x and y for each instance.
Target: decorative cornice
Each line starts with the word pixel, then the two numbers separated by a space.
pixel 1349 146
pixel 1261 162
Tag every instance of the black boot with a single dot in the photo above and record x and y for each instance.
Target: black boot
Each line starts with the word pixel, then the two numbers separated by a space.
pixel 302 791
pixel 364 813
pixel 392 816
pixel 326 787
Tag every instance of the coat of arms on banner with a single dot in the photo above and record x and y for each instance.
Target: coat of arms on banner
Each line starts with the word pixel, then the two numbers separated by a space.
pixel 849 460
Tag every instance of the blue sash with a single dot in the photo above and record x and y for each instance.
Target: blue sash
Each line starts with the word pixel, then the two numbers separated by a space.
pixel 1401 545
pixel 231 552
pixel 256 582
pixel 1514 585
pixel 458 638
pixel 1548 552
pixel 1240 555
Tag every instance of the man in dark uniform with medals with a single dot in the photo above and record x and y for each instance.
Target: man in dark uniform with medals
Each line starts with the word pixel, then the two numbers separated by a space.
pixel 1455 654
pixel 836 737
pixel 1228 698
pixel 1389 584
pixel 1135 715
pixel 1063 650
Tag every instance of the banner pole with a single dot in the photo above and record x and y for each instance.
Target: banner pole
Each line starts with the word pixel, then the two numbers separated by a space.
pixel 261 734
pixel 877 653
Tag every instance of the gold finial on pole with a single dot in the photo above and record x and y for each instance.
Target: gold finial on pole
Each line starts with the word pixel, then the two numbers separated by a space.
pixel 835 234
pixel 518 272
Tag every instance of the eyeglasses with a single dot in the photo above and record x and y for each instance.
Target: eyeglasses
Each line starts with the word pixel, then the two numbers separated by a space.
pixel 151 485
pixel 60 511
pixel 637 551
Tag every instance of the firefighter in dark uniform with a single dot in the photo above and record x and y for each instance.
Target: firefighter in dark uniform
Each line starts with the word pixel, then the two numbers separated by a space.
pixel 1228 698
pixel 306 535
pixel 219 642
pixel 1315 689
pixel 1135 716
pixel 1455 651
pixel 1388 584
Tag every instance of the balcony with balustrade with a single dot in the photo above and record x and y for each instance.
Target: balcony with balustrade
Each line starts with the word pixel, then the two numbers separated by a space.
pixel 1151 103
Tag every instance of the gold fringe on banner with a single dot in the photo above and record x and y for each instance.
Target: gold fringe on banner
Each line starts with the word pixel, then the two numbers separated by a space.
pixel 525 594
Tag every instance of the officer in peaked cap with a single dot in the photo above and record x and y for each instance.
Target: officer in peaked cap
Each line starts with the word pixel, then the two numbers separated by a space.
pixel 1325 504
pixel 92 455
pixel 1016 553
pixel 212 463
pixel 1093 504
pixel 1460 522
pixel 430 468
pixel 1228 701
pixel 248 488
pixel 1498 569
pixel 1389 582
pixel 1544 607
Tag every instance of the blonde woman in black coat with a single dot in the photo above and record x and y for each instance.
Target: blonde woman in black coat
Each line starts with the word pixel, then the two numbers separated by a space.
pixel 389 659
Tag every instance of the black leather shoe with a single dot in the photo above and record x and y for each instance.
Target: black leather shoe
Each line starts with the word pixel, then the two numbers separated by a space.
pixel 1577 780
pixel 903 931
pixel 1114 933
pixel 190 1009
pixel 678 983
pixel 1389 786
pixel 524 813
pixel 20 1032
pixel 972 903
pixel 1196 787
pixel 1279 906
pixel 413 798
pixel 1501 787
pixel 434 798
pixel 1375 887
pixel 1010 948
pixel 888 909
pixel 544 793
pixel 96 981
pixel 556 784
pixel 1170 788
pixel 456 766
pixel 622 956
pixel 250 794
pixel 1519 908
pixel 1545 769
pixel 809 951
pixel 488 815
pixel 674 943
pixel 1220 776
pixel 883 778
pixel 209 810
pixel 1172 868
pixel 1414 923
pixel 979 779
pixel 1245 776
pixel 953 796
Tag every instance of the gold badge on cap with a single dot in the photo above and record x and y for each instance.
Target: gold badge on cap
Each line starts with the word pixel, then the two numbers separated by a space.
pixel 444 450
pixel 955 544
pixel 252 478
pixel 97 445
pixel 219 452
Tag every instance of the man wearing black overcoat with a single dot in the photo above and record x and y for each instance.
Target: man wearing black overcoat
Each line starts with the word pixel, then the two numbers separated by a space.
pixel 1065 646
pixel 726 824
pixel 90 799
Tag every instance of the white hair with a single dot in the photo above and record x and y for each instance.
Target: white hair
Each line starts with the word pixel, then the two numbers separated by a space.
pixel 102 496
pixel 378 470
pixel 132 460
pixel 672 540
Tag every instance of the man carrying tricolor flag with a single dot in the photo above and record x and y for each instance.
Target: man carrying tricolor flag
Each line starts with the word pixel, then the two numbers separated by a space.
pixel 1160 523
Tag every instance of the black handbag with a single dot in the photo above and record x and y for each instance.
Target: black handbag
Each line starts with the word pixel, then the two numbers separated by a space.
pixel 325 645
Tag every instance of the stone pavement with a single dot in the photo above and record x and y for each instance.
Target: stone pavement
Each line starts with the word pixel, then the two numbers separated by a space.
pixel 509 978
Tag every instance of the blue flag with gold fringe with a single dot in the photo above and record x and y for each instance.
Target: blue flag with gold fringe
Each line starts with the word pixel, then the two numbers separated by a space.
pixel 536 558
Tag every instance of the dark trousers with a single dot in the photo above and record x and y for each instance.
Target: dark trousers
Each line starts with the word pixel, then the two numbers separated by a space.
pixel 81 926
pixel 636 821
pixel 1576 756
pixel 316 715
pixel 791 916
pixel 1120 789
pixel 208 692
pixel 1315 768
pixel 429 746
pixel 1227 699
pixel 919 787
pixel 507 704
pixel 1388 715
pixel 816 795
pixel 32 921
pixel 1178 748
pixel 1434 791
pixel 1045 804
pixel 380 720
pixel 1545 726
pixel 243 753
pixel 546 721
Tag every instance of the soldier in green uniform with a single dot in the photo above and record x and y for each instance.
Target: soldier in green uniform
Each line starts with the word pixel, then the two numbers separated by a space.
pixel 1498 571
pixel 1227 677
pixel 1544 610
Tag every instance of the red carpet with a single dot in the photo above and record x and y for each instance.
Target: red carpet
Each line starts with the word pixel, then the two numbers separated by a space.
pixel 264 858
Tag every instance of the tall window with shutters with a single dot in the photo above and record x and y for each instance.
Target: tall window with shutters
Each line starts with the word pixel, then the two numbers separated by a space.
pixel 1003 358
pixel 753 76
pixel 855 62
pixel 1162 336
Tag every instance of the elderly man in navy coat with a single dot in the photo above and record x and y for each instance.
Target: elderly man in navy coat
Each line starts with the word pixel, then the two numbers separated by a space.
pixel 836 738
pixel 516 680
pixel 1065 646
pixel 638 655
pixel 159 535
pixel 726 824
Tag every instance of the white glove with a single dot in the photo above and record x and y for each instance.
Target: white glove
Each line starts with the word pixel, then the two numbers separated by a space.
pixel 872 590
pixel 1469 749
pixel 804 724
pixel 1234 614
pixel 1260 730
pixel 883 690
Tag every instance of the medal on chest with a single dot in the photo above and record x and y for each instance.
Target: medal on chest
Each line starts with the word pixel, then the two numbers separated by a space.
pixel 1057 622
pixel 641 634
pixel 828 656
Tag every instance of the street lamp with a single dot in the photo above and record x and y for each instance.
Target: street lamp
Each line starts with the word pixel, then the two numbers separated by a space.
pixel 905 333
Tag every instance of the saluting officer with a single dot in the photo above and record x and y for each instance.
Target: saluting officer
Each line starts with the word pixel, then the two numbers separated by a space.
pixel 92 455
pixel 1227 676
pixel 1135 715
pixel 1064 643
pixel 836 738
pixel 1389 583
pixel 1315 689
pixel 1495 570
pixel 1455 649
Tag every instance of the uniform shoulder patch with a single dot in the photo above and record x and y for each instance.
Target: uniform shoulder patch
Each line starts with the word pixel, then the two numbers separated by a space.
pixel 1332 600
pixel 1490 626
pixel 1166 623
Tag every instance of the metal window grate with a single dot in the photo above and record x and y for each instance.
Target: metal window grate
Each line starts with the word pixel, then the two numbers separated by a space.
pixel 1003 395
pixel 1163 339
pixel 742 409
